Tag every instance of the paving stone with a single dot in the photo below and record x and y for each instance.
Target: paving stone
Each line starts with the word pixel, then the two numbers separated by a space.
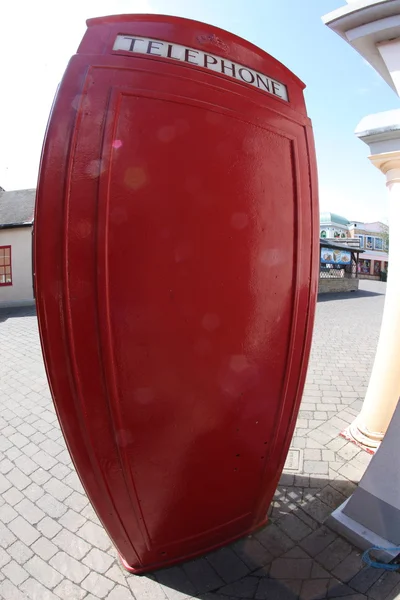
pixel 310 443
pixel 76 501
pixel 40 476
pixel 20 552
pixel 348 451
pixel 29 511
pixel 6 536
pixel 272 589
pixel 349 567
pixel 9 591
pixel 351 597
pixel 60 471
pixel 116 574
pixel 203 576
pixel 51 447
pixel 15 573
pixel 274 540
pixel 291 568
pixel 17 478
pixel 309 521
pixel 4 558
pixel 36 591
pixel 320 436
pixel 318 572
pixel 294 527
pixel 252 553
pixel 314 589
pixel 227 564
pixel 384 587
pixel 51 506
pixel 23 530
pixel 44 548
pixel 330 496
pixel 42 572
pixel 67 590
pixel 98 561
pixel 72 544
pixel 72 520
pixel 365 579
pixel 312 454
pixel 25 464
pixel 317 541
pixel 351 472
pixel 73 481
pixel 337 589
pixel 57 489
pixel 33 492
pixel 6 465
pixel 295 552
pixel 145 588
pixel 97 584
pixel 344 486
pixel 44 460
pixel 89 513
pixel 95 535
pixel 48 527
pixel 7 513
pixel 317 509
pixel 18 440
pixel 244 588
pixel 334 554
pixel 316 467
pixel 69 567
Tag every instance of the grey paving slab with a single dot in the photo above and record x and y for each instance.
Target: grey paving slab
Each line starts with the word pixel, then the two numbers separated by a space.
pixel 53 547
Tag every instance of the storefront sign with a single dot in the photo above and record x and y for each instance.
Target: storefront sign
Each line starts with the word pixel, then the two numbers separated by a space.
pixel 335 256
pixel 141 45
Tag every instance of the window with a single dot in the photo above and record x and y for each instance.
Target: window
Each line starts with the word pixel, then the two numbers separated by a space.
pixel 378 244
pixel 369 243
pixel 323 233
pixel 5 265
pixel 361 238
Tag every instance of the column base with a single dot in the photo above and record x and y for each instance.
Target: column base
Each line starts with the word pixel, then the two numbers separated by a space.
pixel 358 535
pixel 364 437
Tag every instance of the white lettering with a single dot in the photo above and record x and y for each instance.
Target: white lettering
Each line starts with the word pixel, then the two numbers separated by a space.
pixel 191 56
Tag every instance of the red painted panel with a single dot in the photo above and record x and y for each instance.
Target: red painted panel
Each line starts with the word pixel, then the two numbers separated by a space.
pixel 175 257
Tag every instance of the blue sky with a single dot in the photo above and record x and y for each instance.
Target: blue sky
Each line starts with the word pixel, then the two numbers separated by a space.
pixel 341 87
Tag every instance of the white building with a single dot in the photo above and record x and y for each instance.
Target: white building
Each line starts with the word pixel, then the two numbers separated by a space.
pixel 16 222
pixel 370 237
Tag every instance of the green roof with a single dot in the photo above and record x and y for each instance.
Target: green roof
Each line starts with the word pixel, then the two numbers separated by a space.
pixel 328 217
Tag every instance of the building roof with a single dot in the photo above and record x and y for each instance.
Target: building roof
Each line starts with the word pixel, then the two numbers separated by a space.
pixel 329 217
pixel 17 208
pixel 365 25
pixel 330 243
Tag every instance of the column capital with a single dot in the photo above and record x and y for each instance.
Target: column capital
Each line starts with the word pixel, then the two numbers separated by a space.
pixel 389 164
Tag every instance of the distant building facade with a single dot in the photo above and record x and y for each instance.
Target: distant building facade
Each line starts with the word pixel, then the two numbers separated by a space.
pixel 16 223
pixel 371 237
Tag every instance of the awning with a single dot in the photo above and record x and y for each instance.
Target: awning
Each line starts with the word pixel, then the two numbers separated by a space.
pixel 375 256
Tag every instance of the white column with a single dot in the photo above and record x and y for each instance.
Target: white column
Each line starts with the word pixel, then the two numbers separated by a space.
pixel 384 386
pixel 390 53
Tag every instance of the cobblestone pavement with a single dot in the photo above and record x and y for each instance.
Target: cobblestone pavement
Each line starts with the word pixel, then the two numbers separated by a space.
pixel 52 545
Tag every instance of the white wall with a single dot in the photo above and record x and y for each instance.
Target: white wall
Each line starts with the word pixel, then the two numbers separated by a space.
pixel 20 292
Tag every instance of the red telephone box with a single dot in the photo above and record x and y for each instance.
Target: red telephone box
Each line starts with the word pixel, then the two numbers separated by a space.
pixel 176 258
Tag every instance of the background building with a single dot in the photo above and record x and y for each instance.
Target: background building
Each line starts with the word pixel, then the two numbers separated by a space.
pixel 16 222
pixel 373 238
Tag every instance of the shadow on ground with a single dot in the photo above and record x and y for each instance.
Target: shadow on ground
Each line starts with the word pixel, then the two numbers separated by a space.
pixel 295 557
pixel 17 311
pixel 348 295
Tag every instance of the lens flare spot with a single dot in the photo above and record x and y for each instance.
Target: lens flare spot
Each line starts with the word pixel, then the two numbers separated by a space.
pixel 135 178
